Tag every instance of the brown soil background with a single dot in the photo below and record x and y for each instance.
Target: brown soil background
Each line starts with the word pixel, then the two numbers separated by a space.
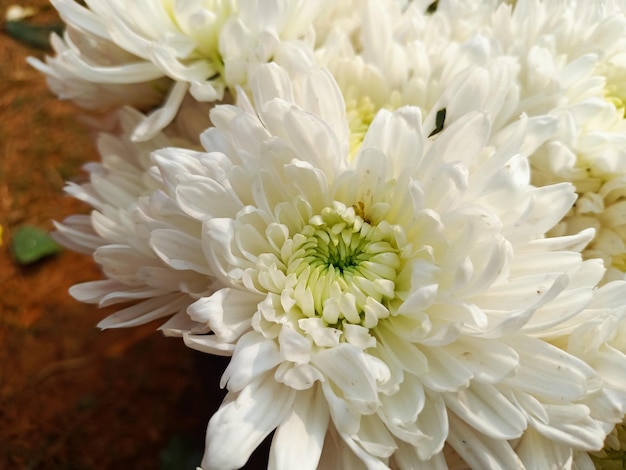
pixel 71 396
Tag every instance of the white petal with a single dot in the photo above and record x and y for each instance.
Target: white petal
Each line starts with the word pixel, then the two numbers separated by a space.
pixel 374 437
pixel 253 356
pixel 208 344
pixel 204 198
pixel 242 422
pixel 179 250
pixel 76 234
pixel 298 441
pixel 489 361
pixel 344 416
pixel 294 347
pixel 271 81
pixel 572 426
pixel 432 422
pixel 92 292
pixel 463 140
pixel 401 410
pixel 445 373
pixel 550 372
pixel 298 376
pixel 480 451
pixel 487 410
pixel 146 311
pixel 228 312
pixel 399 136
pixel 369 461
pixel 402 351
pixel 539 453
pixel 346 367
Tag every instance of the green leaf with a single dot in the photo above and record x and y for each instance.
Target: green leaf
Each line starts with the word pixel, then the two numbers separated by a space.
pixel 30 244
pixel 32 35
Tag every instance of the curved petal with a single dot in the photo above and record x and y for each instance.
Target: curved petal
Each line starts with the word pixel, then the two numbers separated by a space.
pixel 478 450
pixel 243 421
pixel 298 441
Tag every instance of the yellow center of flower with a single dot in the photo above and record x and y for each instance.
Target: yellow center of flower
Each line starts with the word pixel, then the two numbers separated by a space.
pixel 342 268
pixel 204 26
pixel 360 115
pixel 615 87
pixel 619 262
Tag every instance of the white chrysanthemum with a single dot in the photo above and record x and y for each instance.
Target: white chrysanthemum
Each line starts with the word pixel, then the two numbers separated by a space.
pixel 379 305
pixel 127 208
pixel 67 84
pixel 408 55
pixel 203 47
pixel 572 63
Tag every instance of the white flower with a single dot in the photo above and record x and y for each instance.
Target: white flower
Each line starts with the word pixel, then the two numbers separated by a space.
pixel 67 83
pixel 569 62
pixel 127 207
pixel 405 55
pixel 572 64
pixel 203 47
pixel 380 304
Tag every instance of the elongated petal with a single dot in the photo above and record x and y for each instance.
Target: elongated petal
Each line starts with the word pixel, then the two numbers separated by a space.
pixel 298 441
pixel 243 421
pixel 480 451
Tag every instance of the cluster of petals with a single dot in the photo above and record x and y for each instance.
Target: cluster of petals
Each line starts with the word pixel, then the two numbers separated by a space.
pixel 569 62
pixel 128 208
pixel 381 304
pixel 153 53
pixel 573 67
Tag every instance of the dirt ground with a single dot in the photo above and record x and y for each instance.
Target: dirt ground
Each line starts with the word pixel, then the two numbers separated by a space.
pixel 71 396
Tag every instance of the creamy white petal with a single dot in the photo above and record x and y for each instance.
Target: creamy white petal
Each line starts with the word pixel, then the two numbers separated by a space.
pixel 298 441
pixel 228 325
pixel 480 451
pixel 536 453
pixel 146 311
pixel 488 411
pixel 243 421
pixel 178 251
pixel 252 357
pixel 346 367
pixel 208 344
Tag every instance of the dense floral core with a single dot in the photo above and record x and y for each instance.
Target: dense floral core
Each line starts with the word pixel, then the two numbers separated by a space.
pixel 615 88
pixel 360 115
pixel 340 268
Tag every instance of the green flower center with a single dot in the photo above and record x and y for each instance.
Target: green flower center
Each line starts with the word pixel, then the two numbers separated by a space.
pixel 342 268
pixel 335 247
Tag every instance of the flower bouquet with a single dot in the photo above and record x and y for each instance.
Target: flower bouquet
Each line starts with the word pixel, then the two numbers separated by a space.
pixel 403 221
